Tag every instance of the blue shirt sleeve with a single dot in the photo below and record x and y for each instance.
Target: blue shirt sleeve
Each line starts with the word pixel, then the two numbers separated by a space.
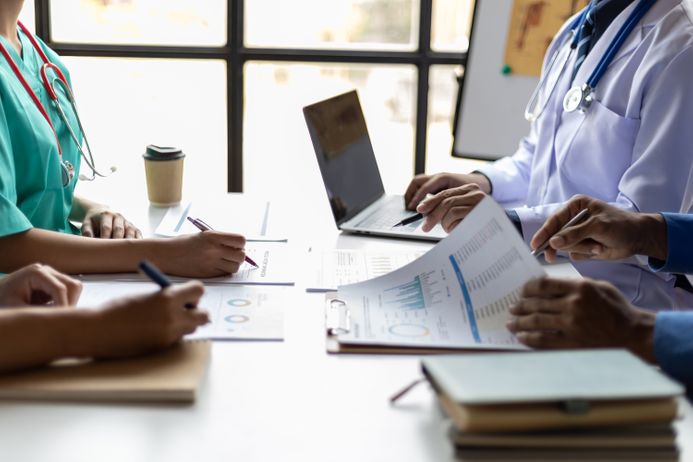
pixel 673 345
pixel 680 244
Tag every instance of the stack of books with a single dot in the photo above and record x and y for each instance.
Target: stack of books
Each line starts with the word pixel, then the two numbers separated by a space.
pixel 570 405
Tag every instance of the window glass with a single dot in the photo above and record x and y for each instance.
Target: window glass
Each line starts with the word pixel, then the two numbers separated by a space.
pixel 452 22
pixel 146 22
pixel 126 104
pixel 349 24
pixel 278 153
pixel 441 113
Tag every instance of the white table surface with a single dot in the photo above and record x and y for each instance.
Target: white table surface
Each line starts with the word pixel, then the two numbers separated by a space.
pixel 260 401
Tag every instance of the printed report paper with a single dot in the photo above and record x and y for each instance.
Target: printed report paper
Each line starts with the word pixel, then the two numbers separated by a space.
pixel 337 267
pixel 457 295
pixel 249 218
pixel 236 313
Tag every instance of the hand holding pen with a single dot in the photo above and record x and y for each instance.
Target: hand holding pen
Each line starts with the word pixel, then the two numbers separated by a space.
pixel 202 226
pixel 605 233
pixel 581 215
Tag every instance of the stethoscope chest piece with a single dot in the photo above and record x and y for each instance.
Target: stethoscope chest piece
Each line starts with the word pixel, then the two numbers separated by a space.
pixel 67 171
pixel 578 97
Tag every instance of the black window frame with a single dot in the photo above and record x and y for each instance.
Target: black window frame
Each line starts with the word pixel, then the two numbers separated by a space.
pixel 236 54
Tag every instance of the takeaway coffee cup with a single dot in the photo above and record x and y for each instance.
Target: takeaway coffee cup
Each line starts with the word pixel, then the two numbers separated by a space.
pixel 164 170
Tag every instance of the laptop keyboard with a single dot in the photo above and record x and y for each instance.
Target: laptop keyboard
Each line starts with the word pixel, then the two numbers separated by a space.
pixel 390 213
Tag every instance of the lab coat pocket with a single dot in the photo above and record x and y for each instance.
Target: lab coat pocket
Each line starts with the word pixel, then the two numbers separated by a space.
pixel 597 149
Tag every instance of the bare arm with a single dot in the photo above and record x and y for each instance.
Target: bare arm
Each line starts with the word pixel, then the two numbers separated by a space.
pixel 199 255
pixel 63 332
pixel 125 327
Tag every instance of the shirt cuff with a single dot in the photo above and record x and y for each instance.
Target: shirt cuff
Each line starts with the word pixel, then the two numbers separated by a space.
pixel 12 220
pixel 530 222
pixel 679 251
pixel 673 344
pixel 516 221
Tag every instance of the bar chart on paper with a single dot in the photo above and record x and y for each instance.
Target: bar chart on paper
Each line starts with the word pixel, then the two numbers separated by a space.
pixel 415 295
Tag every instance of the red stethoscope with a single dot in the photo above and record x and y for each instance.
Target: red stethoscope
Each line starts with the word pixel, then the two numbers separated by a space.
pixel 67 169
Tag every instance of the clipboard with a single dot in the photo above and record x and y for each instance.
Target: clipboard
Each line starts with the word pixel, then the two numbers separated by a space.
pixel 338 321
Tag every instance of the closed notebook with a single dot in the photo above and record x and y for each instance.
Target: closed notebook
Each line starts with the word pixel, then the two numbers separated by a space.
pixel 173 375
pixel 549 390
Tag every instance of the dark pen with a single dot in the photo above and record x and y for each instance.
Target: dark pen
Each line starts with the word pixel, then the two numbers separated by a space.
pixel 158 277
pixel 409 220
pixel 202 226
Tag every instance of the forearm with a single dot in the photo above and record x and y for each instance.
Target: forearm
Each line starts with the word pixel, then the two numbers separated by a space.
pixel 77 254
pixel 35 336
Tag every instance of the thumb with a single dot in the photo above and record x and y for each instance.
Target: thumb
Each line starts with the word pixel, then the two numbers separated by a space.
pixel 571 237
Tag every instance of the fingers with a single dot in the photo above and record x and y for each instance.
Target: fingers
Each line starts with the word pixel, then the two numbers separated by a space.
pixel 544 340
pixel 106 224
pixel 87 228
pixel 433 184
pixel 450 206
pixel 194 319
pixel 235 241
pixel 131 231
pixel 73 286
pixel 536 322
pixel 232 265
pixel 580 238
pixel 414 185
pixel 188 293
pixel 549 287
pixel 555 222
pixel 185 296
pixel 118 231
pixel 47 285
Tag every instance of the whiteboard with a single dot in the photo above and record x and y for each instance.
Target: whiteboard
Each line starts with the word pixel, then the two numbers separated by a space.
pixel 490 115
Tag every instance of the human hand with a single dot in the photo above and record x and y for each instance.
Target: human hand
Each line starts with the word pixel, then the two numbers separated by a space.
pixel 450 206
pixel 205 254
pixel 38 285
pixel 145 323
pixel 609 233
pixel 558 313
pixel 422 185
pixel 101 222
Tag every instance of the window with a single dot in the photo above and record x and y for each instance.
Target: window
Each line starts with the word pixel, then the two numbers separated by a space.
pixel 226 80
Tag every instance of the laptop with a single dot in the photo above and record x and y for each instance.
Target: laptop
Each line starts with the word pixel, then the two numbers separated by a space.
pixel 350 172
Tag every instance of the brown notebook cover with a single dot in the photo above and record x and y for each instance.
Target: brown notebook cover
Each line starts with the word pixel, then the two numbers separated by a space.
pixel 169 376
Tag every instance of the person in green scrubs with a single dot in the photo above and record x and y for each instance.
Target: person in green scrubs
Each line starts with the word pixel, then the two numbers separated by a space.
pixel 35 303
pixel 36 208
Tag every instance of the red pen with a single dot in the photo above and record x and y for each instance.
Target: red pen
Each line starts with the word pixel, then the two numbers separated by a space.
pixel 202 226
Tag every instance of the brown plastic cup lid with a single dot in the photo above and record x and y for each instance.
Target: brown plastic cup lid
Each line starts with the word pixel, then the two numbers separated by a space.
pixel 155 152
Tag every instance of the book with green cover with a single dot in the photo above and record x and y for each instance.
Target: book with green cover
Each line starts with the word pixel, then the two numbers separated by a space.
pixel 505 392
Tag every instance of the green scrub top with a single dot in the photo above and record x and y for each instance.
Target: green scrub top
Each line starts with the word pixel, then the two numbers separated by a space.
pixel 31 189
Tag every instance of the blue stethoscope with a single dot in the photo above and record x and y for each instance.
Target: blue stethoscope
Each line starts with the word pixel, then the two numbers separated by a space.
pixel 580 97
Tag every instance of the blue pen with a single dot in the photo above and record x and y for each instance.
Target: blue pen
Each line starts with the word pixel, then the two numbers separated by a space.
pixel 158 277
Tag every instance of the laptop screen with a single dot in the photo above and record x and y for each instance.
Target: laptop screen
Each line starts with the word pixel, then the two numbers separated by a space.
pixel 345 154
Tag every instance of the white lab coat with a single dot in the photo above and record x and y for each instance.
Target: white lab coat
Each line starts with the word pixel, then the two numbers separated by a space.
pixel 633 148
